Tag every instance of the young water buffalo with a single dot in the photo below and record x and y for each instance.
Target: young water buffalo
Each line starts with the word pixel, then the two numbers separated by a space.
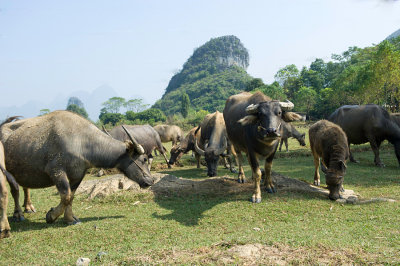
pixel 253 123
pixel 58 148
pixel 329 142
pixel 186 145
pixel 145 136
pixel 368 123
pixel 289 131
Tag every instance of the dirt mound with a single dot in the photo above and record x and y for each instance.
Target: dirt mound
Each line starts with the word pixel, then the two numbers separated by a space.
pixel 169 184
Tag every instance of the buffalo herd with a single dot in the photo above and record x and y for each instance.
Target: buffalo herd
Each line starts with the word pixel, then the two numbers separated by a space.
pixel 57 149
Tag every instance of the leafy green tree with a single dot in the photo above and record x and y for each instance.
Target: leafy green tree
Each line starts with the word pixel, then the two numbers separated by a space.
pixel 288 79
pixel 254 84
pixel 149 115
pixel 44 111
pixel 274 91
pixel 114 104
pixel 76 109
pixel 185 104
pixel 111 118
pixel 135 105
pixel 305 99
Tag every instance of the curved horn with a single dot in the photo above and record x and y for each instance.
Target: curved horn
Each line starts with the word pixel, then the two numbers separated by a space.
pixel 252 109
pixel 221 150
pixel 197 148
pixel 288 105
pixel 137 146
pixel 105 130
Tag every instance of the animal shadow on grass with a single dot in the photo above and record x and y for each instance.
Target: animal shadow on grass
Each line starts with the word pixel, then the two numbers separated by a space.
pixel 29 225
pixel 188 199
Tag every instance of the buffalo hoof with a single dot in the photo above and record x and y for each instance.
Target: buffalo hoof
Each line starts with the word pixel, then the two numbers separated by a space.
pixel 255 200
pixel 240 181
pixel 380 165
pixel 4 233
pixel 317 183
pixel 18 217
pixel 169 166
pixel 341 189
pixel 270 189
pixel 49 220
pixel 74 222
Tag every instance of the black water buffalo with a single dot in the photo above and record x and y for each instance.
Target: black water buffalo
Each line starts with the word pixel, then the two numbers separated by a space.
pixel 169 133
pixel 289 131
pixel 145 135
pixel 213 142
pixel 253 123
pixel 186 145
pixel 368 123
pixel 58 148
pixel 329 142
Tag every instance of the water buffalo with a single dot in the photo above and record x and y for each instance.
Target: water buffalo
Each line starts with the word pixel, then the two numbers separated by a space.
pixel 253 123
pixel 186 145
pixel 58 148
pixel 145 136
pixel 329 142
pixel 4 225
pixel 368 123
pixel 169 133
pixel 289 131
pixel 213 142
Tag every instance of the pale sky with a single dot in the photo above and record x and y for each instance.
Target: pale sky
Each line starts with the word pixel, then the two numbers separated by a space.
pixel 49 48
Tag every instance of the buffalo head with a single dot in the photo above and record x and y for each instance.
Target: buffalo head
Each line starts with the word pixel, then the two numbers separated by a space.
pixel 302 139
pixel 211 156
pixel 176 153
pixel 267 118
pixel 334 178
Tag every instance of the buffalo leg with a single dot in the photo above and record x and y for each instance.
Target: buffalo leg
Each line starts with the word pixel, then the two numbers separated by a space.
pixel 198 157
pixel 63 187
pixel 27 201
pixel 4 225
pixel 351 156
pixel 166 159
pixel 397 150
pixel 68 214
pixel 269 186
pixel 241 176
pixel 280 145
pixel 150 161
pixel 375 148
pixel 286 144
pixel 256 198
pixel 18 215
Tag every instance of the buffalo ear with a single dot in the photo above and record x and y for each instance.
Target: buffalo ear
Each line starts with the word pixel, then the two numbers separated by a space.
pixel 247 120
pixel 290 116
pixel 342 166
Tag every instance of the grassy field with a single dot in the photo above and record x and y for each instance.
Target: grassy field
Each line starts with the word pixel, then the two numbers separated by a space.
pixel 218 228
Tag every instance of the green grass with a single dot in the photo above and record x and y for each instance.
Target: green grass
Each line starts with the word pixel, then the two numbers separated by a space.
pixel 192 228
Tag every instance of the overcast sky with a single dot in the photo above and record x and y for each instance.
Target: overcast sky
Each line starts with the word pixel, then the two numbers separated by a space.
pixel 52 48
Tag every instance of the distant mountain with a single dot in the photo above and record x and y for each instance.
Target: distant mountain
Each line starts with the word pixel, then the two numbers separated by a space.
pixel 394 35
pixel 215 71
pixel 91 100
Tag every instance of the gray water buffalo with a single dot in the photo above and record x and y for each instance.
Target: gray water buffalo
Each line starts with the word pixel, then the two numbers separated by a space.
pixel 289 131
pixel 253 123
pixel 213 142
pixel 368 123
pixel 186 145
pixel 145 136
pixel 169 133
pixel 58 148
pixel 329 142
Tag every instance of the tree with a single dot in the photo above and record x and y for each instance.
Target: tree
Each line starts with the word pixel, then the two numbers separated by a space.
pixel 114 104
pixel 44 112
pixel 288 79
pixel 254 84
pixel 76 101
pixel 135 105
pixel 150 115
pixel 185 104
pixel 305 99
pixel 78 110
pixel 110 118
pixel 274 91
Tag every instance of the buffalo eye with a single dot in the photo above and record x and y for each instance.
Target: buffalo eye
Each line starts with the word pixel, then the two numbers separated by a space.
pixel 145 159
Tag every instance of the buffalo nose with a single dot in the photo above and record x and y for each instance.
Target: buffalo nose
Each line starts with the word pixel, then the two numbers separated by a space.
pixel 271 130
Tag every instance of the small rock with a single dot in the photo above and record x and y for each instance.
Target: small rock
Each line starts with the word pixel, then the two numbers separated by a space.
pixel 352 199
pixel 100 173
pixel 82 262
pixel 256 229
pixel 341 200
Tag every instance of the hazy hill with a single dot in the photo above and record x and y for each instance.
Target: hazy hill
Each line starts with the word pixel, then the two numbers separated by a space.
pixel 215 71
pixel 394 35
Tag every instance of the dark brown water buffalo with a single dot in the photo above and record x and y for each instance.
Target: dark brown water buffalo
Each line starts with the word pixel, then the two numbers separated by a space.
pixel 329 142
pixel 213 142
pixel 186 145
pixel 289 131
pixel 368 123
pixel 253 123
pixel 145 136
pixel 169 133
pixel 58 148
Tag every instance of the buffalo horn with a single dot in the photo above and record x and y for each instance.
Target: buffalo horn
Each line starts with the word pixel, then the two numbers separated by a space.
pixel 137 146
pixel 197 148
pixel 252 109
pixel 221 150
pixel 288 105
pixel 105 131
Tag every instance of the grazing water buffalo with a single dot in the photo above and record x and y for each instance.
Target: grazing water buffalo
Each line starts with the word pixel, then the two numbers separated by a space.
pixel 145 136
pixel 253 123
pixel 329 142
pixel 4 225
pixel 289 131
pixel 213 142
pixel 58 148
pixel 169 133
pixel 186 145
pixel 368 123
